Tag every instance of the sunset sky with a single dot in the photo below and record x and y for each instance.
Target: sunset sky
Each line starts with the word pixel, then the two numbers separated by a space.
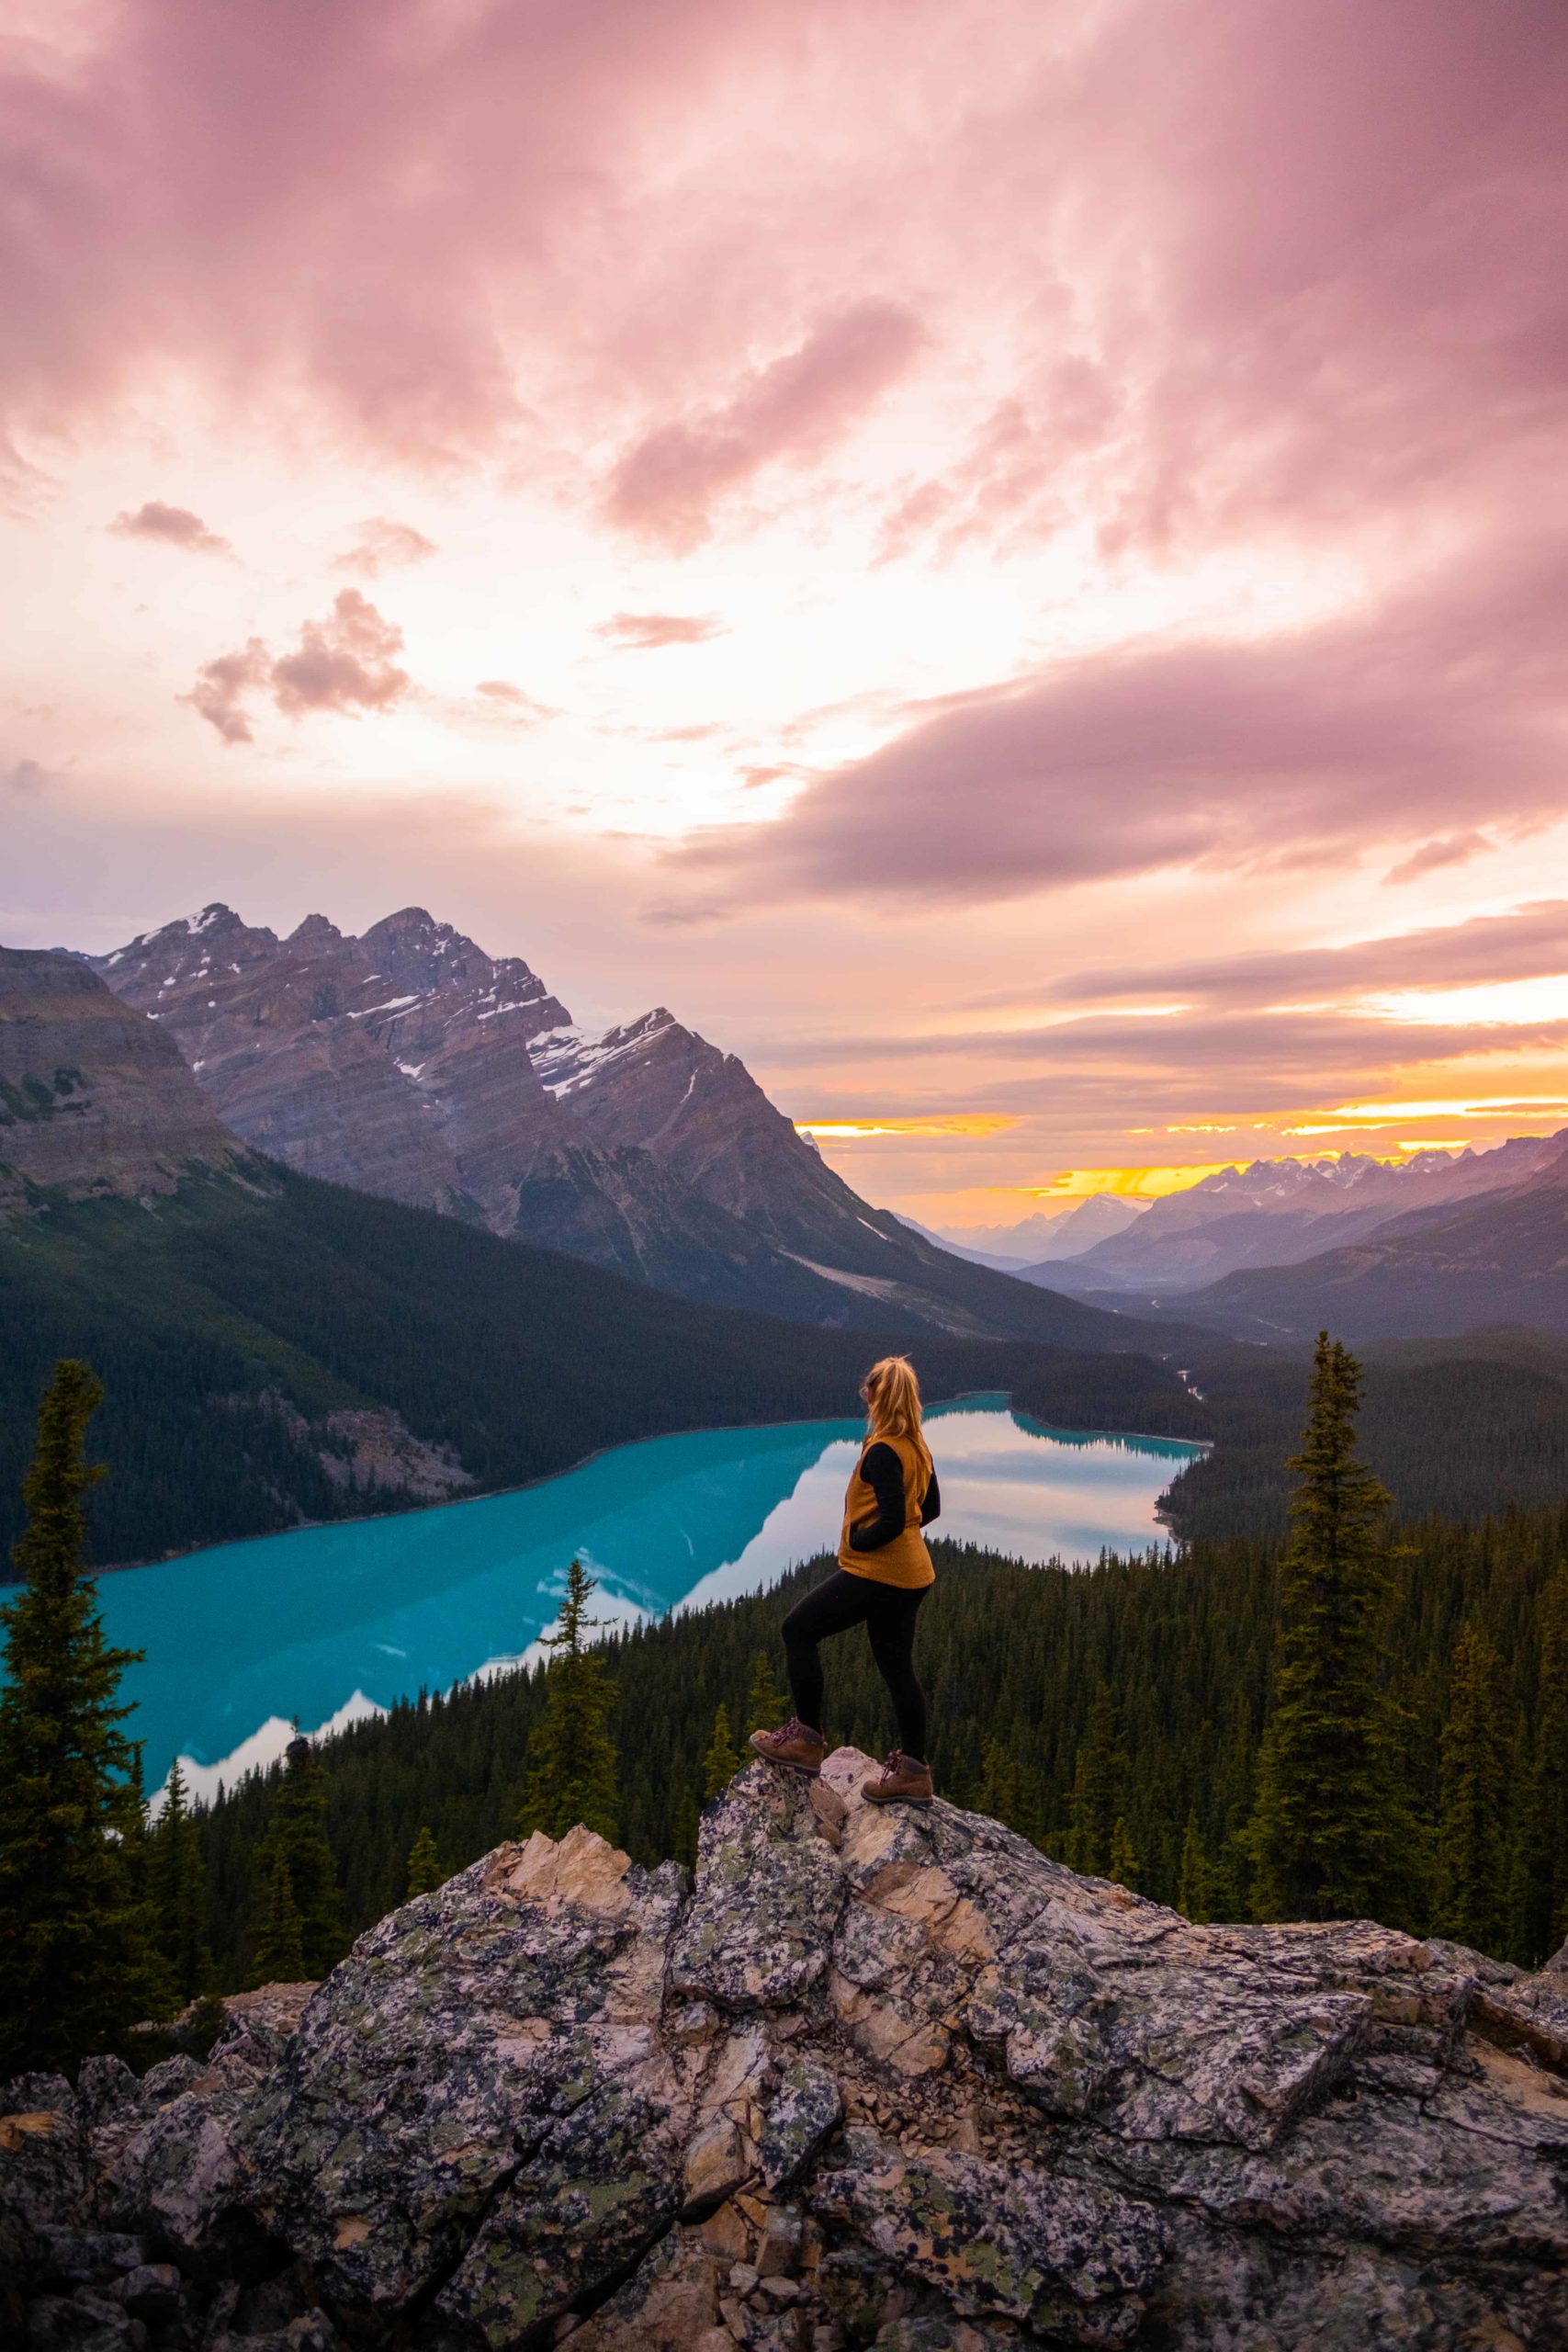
pixel 1006 558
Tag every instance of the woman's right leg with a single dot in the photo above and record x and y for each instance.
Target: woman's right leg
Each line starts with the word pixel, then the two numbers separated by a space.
pixel 831 1608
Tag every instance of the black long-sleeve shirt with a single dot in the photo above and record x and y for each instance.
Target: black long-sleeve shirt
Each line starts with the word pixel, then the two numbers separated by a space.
pixel 884 1473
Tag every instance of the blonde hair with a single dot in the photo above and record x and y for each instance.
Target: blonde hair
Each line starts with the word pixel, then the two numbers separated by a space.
pixel 892 1393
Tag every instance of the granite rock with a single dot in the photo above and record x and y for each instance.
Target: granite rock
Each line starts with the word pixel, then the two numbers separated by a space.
pixel 874 2079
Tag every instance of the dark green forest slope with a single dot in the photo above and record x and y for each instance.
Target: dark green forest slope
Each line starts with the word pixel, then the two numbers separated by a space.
pixel 228 1319
pixel 1062 1702
pixel 1460 1427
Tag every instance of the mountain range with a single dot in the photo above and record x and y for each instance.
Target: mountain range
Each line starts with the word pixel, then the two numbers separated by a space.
pixel 1037 1238
pixel 409 1064
pixel 1498 1258
pixel 1282 1212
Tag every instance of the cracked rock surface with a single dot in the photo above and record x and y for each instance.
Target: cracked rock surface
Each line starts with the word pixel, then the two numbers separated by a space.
pixel 878 2078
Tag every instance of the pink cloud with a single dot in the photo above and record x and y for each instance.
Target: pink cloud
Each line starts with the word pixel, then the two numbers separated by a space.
pixel 26 776
pixel 666 484
pixel 1378 726
pixel 221 686
pixel 1185 271
pixel 645 632
pixel 342 662
pixel 1526 944
pixel 384 546
pixel 1456 850
pixel 172 526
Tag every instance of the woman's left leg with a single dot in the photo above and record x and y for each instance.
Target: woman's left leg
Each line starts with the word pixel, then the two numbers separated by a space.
pixel 890 1623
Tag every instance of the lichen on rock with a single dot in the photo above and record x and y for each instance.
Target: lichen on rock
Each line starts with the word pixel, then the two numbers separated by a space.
pixel 876 2078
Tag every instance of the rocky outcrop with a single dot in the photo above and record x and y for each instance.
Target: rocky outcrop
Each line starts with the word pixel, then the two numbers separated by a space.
pixel 363 1449
pixel 887 2078
pixel 95 1101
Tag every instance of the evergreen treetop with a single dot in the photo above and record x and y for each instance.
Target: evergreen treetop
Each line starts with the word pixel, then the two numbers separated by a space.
pixel 278 1957
pixel 296 1838
pixel 1472 1845
pixel 571 1756
pixel 177 1892
pixel 765 1707
pixel 1332 1836
pixel 425 1874
pixel 77 1962
pixel 721 1763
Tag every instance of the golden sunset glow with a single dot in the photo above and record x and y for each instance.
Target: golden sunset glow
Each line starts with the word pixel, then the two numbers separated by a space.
pixel 1127 1183
pixel 958 1122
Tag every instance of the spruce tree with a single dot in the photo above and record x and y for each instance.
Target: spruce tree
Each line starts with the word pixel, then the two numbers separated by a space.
pixel 688 1824
pixel 1097 1782
pixel 1001 1790
pixel 1471 1833
pixel 1195 1883
pixel 176 1892
pixel 765 1707
pixel 425 1874
pixel 1332 1836
pixel 297 1837
pixel 1122 1865
pixel 721 1763
pixel 1539 1904
pixel 571 1756
pixel 278 1957
pixel 77 1962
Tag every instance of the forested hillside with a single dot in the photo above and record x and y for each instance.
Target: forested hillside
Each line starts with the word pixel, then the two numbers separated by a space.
pixel 1460 1427
pixel 1063 1702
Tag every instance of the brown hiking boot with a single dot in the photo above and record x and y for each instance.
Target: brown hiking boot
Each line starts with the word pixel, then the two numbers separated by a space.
pixel 900 1781
pixel 797 1749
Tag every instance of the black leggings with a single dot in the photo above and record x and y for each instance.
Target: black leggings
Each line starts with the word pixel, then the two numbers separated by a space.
pixel 888 1613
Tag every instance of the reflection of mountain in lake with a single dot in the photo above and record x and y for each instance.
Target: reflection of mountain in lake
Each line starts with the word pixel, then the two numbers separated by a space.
pixel 247 1635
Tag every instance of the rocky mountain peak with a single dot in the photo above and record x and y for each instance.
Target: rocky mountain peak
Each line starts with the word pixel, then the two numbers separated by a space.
pixel 315 931
pixel 94 1099
pixel 873 2075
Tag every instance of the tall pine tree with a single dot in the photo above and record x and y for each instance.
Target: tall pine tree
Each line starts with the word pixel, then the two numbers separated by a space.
pixel 1332 1836
pixel 278 1952
pixel 425 1874
pixel 177 1892
pixel 296 1841
pixel 1099 1786
pixel 1472 1830
pixel 721 1763
pixel 571 1756
pixel 77 1962
pixel 1540 1879
pixel 765 1706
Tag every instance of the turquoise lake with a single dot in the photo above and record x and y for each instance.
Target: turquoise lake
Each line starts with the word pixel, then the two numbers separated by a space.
pixel 327 1623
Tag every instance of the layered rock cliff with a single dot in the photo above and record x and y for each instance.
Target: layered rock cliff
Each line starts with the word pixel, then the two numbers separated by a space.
pixel 94 1101
pixel 876 2078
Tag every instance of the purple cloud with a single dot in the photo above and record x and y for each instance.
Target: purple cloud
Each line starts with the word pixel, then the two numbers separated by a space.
pixel 171 527
pixel 384 546
pixel 342 662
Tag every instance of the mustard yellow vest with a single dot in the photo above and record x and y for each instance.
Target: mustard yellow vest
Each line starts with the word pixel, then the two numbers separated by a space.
pixel 905 1561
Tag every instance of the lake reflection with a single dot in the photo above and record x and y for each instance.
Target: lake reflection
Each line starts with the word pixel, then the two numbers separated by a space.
pixel 329 1622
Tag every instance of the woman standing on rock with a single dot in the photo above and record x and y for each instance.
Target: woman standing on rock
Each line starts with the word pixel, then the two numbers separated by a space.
pixel 884 1573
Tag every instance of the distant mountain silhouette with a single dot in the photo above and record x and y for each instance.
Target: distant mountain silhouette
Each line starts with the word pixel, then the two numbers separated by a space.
pixel 1501 1257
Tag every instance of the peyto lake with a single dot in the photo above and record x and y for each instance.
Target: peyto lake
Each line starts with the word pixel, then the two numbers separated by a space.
pixel 326 1623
